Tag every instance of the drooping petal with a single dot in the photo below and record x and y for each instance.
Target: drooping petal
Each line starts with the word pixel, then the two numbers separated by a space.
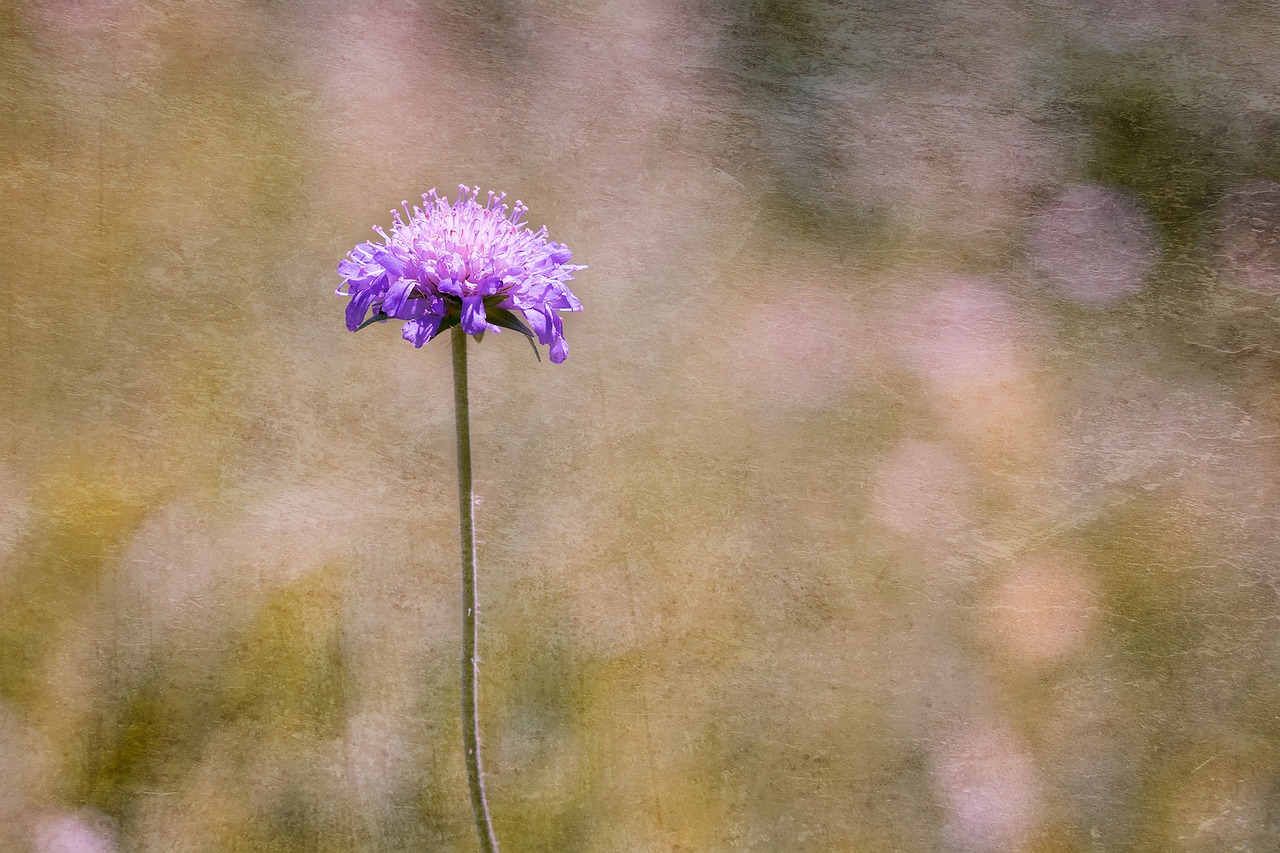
pixel 559 350
pixel 421 330
pixel 473 319
pixel 559 346
pixel 357 307
pixel 538 322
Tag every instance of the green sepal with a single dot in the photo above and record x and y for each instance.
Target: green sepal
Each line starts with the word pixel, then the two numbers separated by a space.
pixel 506 320
pixel 493 299
pixel 376 317
pixel 447 323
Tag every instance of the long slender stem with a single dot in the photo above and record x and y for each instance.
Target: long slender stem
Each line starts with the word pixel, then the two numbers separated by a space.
pixel 470 629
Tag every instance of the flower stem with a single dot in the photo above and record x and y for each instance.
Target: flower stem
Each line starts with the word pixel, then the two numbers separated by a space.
pixel 470 629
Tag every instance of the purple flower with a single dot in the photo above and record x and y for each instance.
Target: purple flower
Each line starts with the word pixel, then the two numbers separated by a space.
pixel 467 264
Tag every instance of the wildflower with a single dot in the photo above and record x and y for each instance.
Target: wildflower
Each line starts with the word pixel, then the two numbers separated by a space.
pixel 467 264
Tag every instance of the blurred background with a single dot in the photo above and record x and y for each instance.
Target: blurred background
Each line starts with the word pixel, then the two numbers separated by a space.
pixel 912 483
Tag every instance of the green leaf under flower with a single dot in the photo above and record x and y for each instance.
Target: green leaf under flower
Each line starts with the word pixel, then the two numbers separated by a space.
pixel 507 320
pixel 376 317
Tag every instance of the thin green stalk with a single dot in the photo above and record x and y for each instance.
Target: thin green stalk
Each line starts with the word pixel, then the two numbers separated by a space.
pixel 470 629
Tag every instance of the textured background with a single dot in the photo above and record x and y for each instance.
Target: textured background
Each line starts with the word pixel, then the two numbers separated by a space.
pixel 912 483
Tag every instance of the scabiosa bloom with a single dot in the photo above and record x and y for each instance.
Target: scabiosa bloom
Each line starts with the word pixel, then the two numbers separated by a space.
pixel 465 264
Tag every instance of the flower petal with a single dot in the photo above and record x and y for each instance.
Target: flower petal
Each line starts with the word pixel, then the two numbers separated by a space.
pixel 388 260
pixel 350 269
pixel 473 319
pixel 418 332
pixel 356 308
pixel 555 330
pixel 397 297
pixel 559 350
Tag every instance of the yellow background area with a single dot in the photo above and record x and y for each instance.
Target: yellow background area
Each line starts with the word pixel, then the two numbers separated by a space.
pixel 912 482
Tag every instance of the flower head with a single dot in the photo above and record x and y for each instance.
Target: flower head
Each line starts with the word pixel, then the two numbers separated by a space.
pixel 462 264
